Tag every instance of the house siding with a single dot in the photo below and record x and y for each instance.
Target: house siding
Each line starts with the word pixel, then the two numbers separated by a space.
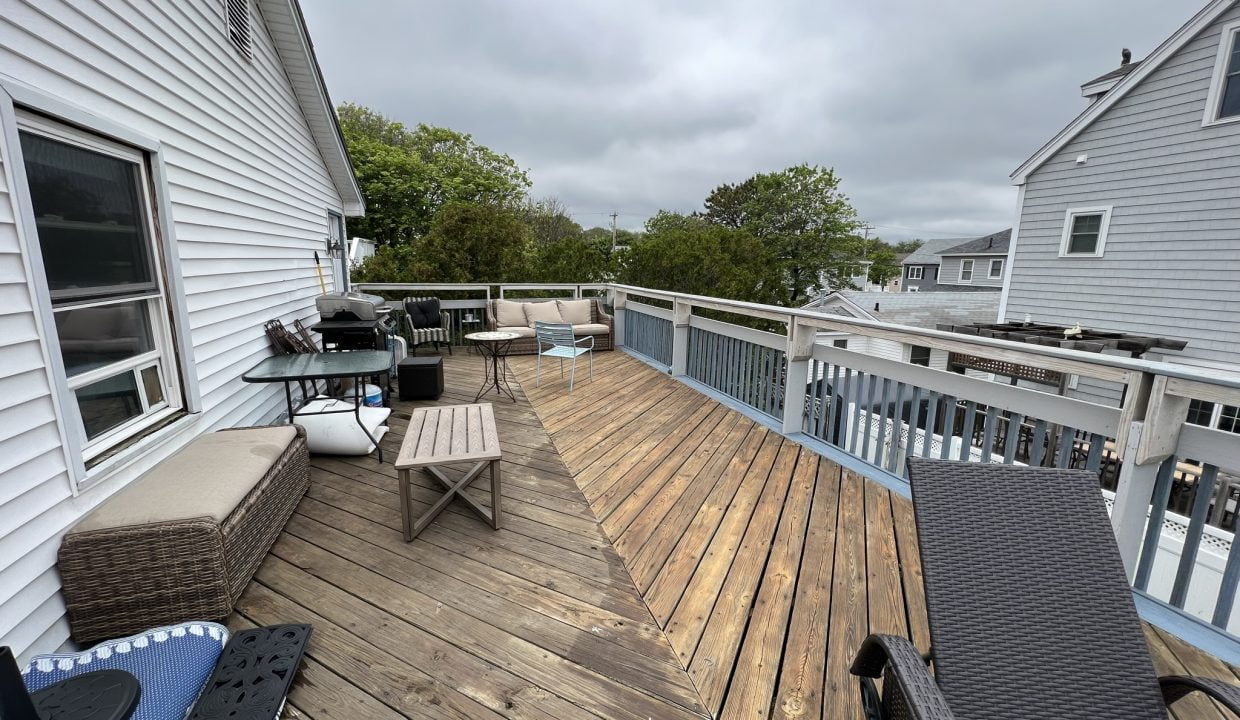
pixel 929 276
pixel 248 193
pixel 1172 256
pixel 950 270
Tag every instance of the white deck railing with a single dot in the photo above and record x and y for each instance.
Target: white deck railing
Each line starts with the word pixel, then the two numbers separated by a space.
pixel 881 411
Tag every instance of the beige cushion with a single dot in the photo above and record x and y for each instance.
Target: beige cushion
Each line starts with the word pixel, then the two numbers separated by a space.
pixel 521 330
pixel 509 314
pixel 542 312
pixel 591 329
pixel 575 312
pixel 208 478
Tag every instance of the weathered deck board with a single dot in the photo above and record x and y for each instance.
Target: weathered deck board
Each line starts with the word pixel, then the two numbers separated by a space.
pixel 663 557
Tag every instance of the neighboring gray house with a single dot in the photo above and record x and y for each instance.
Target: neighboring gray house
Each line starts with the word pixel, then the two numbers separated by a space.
pixel 1130 215
pixel 921 267
pixel 976 264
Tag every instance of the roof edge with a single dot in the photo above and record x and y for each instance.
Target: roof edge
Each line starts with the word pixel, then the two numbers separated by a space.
pixel 1152 62
pixel 285 21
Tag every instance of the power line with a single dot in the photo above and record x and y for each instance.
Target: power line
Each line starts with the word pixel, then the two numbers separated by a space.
pixel 953 233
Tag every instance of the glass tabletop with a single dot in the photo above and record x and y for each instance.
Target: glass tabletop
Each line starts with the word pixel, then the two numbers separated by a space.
pixel 306 366
pixel 491 336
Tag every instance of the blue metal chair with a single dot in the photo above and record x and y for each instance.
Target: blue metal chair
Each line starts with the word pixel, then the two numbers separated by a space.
pixel 556 340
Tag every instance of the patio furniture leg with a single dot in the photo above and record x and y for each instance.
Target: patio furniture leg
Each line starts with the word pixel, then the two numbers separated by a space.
pixel 406 513
pixel 496 513
pixel 537 369
pixel 572 373
pixel 454 490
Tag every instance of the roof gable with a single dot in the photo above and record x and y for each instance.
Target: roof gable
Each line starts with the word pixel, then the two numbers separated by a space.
pixel 288 31
pixel 928 253
pixel 1152 62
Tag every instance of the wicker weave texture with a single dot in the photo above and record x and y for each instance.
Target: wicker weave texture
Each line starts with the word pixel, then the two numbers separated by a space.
pixel 119 581
pixel 529 345
pixel 1031 615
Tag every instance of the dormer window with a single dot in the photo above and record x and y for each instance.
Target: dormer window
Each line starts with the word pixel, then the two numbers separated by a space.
pixel 914 272
pixel 1223 102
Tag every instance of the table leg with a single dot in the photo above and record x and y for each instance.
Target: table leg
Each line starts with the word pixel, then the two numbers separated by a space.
pixel 358 399
pixel 406 513
pixel 288 398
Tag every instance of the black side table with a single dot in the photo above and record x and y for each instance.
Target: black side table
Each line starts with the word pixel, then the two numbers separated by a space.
pixel 494 349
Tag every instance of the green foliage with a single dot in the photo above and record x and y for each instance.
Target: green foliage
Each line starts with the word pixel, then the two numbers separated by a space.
pixel 407 175
pixel 560 250
pixel 884 265
pixel 693 255
pixel 802 219
pixel 907 246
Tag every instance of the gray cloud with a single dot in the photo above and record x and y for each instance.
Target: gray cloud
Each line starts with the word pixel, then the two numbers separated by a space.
pixel 922 108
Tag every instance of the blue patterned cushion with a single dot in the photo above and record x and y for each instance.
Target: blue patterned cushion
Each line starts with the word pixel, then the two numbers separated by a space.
pixel 171 664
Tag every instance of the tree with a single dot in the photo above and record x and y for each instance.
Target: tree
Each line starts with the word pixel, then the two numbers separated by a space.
pixel 693 255
pixel 407 176
pixel 802 219
pixel 466 243
pixel 884 264
pixel 907 246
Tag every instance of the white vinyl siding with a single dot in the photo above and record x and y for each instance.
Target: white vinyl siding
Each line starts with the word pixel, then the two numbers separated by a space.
pixel 1173 246
pixel 247 190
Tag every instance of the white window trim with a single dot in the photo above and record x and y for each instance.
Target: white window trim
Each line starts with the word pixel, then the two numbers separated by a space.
pixel 917 269
pixel 913 288
pixel 972 271
pixel 1069 214
pixel 1215 97
pixel 12 94
pixel 990 271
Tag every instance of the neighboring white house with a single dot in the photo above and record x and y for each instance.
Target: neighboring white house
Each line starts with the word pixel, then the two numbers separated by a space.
pixel 1129 217
pixel 168 172
pixel 923 310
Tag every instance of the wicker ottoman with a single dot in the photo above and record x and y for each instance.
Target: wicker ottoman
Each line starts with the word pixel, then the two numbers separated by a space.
pixel 182 541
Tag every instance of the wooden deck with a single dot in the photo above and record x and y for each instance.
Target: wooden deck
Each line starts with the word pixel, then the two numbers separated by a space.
pixel 662 557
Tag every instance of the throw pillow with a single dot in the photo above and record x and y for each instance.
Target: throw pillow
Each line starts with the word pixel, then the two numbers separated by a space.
pixel 171 664
pixel 542 312
pixel 424 313
pixel 509 314
pixel 575 312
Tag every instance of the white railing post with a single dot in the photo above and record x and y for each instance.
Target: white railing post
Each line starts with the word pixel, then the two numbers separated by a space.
pixel 1132 499
pixel 617 309
pixel 681 311
pixel 798 353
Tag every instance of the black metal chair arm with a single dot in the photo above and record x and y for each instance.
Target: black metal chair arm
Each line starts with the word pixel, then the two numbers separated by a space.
pixel 905 664
pixel 1175 687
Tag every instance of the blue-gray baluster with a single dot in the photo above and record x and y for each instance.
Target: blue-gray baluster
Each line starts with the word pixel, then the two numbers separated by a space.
pixel 1153 531
pixel 949 426
pixel 897 413
pixel 966 433
pixel 1012 441
pixel 1066 438
pixel 932 412
pixel 1202 493
pixel 1093 461
pixel 1227 588
pixel 880 433
pixel 856 390
pixel 825 401
pixel 1037 446
pixel 834 410
pixel 988 432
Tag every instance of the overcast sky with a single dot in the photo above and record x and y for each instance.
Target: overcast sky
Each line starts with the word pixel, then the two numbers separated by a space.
pixel 923 108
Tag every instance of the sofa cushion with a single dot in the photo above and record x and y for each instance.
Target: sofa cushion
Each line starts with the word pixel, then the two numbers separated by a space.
pixel 521 330
pixel 423 313
pixel 510 314
pixel 208 478
pixel 591 329
pixel 575 312
pixel 171 664
pixel 546 312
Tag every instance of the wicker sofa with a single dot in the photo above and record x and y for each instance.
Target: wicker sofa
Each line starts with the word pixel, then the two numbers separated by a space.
pixel 600 325
pixel 182 541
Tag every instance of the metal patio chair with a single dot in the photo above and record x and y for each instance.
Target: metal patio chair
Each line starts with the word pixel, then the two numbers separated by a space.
pixel 1031 615
pixel 557 340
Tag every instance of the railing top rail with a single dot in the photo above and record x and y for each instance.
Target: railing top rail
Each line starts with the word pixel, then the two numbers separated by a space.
pixel 423 286
pixel 819 319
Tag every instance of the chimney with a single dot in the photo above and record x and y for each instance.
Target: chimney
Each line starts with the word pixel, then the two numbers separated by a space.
pixel 1125 57
pixel 875 307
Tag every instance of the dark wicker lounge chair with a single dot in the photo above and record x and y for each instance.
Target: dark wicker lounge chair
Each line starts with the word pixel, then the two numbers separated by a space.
pixel 1031 615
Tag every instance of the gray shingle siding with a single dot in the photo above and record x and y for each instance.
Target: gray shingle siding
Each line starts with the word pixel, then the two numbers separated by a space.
pixel 929 276
pixel 1172 256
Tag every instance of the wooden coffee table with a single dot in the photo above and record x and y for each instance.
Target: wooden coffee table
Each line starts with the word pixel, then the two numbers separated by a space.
pixel 447 435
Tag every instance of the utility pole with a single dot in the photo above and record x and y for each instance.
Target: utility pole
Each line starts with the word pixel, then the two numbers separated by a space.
pixel 614 215
pixel 865 247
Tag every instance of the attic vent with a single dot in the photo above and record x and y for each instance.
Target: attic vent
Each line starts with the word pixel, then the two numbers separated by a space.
pixel 237 16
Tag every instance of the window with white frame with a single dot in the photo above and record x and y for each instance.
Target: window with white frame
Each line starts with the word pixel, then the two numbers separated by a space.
pixel 915 272
pixel 1085 231
pixel 91 199
pixel 966 271
pixel 1223 100
pixel 996 269
pixel 1229 419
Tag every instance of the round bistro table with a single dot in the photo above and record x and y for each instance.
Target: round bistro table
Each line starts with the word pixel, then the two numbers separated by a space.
pixel 494 349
